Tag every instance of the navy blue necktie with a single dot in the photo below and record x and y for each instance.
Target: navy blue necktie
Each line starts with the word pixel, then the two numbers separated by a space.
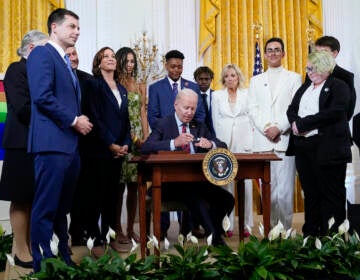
pixel 68 64
pixel 175 89
pixel 74 77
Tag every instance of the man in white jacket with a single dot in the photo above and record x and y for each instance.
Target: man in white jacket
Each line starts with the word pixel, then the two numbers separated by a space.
pixel 270 94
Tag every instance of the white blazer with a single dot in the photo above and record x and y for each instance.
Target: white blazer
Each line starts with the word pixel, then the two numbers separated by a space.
pixel 234 128
pixel 270 108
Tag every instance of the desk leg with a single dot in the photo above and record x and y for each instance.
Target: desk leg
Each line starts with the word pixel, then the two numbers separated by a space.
pixel 156 195
pixel 241 204
pixel 266 197
pixel 142 188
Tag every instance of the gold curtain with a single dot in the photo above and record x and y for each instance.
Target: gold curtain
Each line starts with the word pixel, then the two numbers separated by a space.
pixel 226 34
pixel 17 17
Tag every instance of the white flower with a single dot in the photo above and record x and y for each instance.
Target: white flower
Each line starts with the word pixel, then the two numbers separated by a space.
pixel 55 238
pixel 153 242
pixel 209 240
pixel 90 243
pixel 248 228
pixel 127 268
pixel 41 250
pixel 276 231
pixel 288 233
pixel 112 233
pixel 206 253
pixel 305 240
pixel 150 244
pixel 318 243
pixel 226 223
pixel 293 234
pixel 261 230
pixel 156 242
pixel 188 236
pixel 344 227
pixel 194 240
pixel 54 247
pixel 331 222
pixel 181 240
pixel 134 245
pixel 10 260
pixel 166 244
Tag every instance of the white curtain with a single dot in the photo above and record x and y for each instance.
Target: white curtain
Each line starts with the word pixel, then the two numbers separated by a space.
pixel 113 23
pixel 341 20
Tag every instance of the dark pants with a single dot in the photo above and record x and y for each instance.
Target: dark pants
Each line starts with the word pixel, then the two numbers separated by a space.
pixel 324 190
pixel 101 177
pixel 55 183
pixel 209 203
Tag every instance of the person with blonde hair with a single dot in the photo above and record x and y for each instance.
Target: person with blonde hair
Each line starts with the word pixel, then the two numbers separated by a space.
pixel 230 115
pixel 17 184
pixel 321 142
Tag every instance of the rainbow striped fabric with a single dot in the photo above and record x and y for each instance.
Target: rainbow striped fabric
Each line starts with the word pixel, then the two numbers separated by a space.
pixel 3 111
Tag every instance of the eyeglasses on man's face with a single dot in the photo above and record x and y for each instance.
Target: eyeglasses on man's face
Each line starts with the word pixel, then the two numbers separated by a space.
pixel 310 69
pixel 275 51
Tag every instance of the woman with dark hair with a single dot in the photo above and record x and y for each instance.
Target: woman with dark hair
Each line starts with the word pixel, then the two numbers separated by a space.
pixel 128 70
pixel 321 143
pixel 103 150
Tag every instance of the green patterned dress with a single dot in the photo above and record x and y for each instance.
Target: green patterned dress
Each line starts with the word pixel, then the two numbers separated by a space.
pixel 129 170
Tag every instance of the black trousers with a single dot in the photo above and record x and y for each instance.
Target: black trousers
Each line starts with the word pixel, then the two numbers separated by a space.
pixel 324 190
pixel 207 202
pixel 97 196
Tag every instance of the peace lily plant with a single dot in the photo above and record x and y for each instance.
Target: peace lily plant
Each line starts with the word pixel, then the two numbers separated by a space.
pixel 5 247
pixel 282 254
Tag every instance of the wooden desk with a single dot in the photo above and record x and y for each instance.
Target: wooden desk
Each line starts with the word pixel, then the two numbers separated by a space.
pixel 161 168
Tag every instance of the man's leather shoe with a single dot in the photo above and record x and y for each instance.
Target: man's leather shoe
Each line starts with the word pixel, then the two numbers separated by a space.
pixel 21 263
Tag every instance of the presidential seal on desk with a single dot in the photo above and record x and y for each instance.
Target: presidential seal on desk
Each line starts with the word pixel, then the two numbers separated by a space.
pixel 220 166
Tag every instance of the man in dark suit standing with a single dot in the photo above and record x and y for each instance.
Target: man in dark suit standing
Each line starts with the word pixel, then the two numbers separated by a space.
pixel 163 92
pixel 56 122
pixel 180 132
pixel 162 95
pixel 79 210
pixel 203 75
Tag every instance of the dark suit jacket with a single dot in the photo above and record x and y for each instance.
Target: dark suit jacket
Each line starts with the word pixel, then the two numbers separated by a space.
pixel 356 129
pixel 161 100
pixel 166 129
pixel 331 121
pixel 111 122
pixel 54 102
pixel 348 78
pixel 83 77
pixel 208 120
pixel 18 106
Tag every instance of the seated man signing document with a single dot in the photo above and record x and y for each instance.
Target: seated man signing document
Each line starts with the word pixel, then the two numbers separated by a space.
pixel 181 132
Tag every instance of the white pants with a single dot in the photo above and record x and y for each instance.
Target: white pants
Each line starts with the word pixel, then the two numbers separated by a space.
pixel 282 190
pixel 248 209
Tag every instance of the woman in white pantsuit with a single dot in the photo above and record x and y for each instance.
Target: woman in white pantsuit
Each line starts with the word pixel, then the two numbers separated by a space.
pixel 232 125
